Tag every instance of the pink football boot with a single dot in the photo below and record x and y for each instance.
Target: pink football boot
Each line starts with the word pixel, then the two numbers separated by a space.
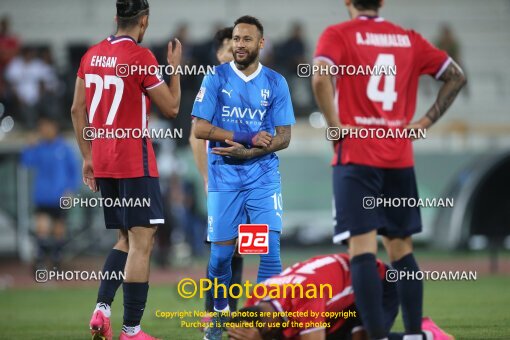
pixel 100 326
pixel 139 336
pixel 428 325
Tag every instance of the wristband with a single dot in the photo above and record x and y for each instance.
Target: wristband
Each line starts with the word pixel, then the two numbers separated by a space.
pixel 244 137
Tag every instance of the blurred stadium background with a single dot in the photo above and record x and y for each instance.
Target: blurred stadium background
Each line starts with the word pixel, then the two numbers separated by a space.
pixel 465 156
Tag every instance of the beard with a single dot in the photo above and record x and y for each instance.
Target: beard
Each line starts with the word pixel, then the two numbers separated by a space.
pixel 248 60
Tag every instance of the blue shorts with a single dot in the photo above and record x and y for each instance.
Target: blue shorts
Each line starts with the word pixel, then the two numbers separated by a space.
pixel 354 186
pixel 134 215
pixel 228 209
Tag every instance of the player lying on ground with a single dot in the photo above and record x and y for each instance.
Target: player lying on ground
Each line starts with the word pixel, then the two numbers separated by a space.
pixel 370 168
pixel 239 109
pixel 223 43
pixel 126 168
pixel 335 315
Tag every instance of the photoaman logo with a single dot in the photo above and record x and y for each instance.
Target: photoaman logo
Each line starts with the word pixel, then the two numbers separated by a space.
pixel 253 239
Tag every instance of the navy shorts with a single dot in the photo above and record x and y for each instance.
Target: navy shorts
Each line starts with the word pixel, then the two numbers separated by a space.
pixel 140 198
pixel 357 187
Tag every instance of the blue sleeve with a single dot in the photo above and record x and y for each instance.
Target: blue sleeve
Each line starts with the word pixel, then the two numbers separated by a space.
pixel 207 97
pixel 73 169
pixel 282 111
pixel 29 156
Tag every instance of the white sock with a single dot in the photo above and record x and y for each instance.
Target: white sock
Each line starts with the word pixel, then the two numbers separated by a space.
pixel 429 335
pixel 131 330
pixel 226 309
pixel 413 337
pixel 105 308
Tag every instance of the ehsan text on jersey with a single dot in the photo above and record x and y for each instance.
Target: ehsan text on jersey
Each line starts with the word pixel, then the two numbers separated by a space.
pixel 239 112
pixel 383 40
pixel 103 61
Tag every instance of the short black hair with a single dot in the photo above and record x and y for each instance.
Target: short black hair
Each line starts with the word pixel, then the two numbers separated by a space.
pixel 129 12
pixel 46 118
pixel 248 19
pixel 367 4
pixel 224 33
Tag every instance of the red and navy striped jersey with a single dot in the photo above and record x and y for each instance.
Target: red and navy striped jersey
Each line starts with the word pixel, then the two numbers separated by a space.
pixel 384 96
pixel 117 101
pixel 326 270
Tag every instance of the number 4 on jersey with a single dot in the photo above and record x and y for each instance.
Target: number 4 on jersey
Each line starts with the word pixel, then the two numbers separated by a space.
pixel 387 96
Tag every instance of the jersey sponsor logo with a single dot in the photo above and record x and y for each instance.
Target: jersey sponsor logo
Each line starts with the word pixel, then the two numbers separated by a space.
pixel 103 61
pixel 200 95
pixel 227 92
pixel 253 238
pixel 379 121
pixel 240 112
pixel 264 93
pixel 383 40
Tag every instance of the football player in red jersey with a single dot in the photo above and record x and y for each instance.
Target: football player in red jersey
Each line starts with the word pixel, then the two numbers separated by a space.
pixel 328 315
pixel 115 86
pixel 370 168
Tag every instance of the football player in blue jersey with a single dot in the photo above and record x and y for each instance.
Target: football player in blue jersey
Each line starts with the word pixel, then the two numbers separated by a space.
pixel 244 109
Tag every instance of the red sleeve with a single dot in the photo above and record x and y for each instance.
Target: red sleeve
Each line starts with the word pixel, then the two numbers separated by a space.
pixel 149 80
pixel 309 323
pixel 329 46
pixel 81 72
pixel 429 59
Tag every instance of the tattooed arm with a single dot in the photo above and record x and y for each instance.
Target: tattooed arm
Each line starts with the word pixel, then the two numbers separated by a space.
pixel 205 130
pixel 454 80
pixel 279 142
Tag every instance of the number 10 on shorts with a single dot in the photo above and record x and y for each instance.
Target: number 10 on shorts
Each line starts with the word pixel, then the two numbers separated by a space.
pixel 253 239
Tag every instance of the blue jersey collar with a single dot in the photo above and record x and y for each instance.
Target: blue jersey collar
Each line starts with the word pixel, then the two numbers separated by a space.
pixel 242 75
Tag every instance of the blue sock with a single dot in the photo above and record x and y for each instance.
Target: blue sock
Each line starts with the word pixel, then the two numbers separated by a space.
pixel 411 295
pixel 368 294
pixel 237 274
pixel 209 303
pixel 270 263
pixel 115 263
pixel 219 268
pixel 135 297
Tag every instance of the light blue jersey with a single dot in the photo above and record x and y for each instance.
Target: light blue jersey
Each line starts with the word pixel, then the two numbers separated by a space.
pixel 236 102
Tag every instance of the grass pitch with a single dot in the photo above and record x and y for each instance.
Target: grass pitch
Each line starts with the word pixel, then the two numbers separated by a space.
pixel 468 310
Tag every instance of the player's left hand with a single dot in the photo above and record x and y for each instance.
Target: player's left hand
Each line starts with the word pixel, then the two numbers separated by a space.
pixel 174 53
pixel 244 333
pixel 236 150
pixel 88 175
pixel 419 125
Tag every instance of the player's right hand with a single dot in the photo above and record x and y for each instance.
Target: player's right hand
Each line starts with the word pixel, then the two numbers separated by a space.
pixel 262 139
pixel 88 175
pixel 174 52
